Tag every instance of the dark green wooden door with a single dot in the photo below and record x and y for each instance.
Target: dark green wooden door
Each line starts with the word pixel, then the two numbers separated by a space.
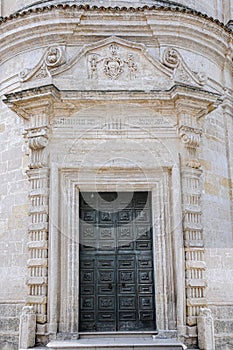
pixel 116 262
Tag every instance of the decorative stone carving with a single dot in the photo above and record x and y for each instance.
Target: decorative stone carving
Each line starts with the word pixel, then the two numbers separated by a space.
pixel 38 175
pixel 194 163
pixel 194 245
pixel 173 60
pixel 190 136
pixel 52 58
pixel 205 325
pixel 27 328
pixel 113 65
pixel 37 141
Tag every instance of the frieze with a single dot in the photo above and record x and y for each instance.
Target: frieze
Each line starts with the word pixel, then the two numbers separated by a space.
pixel 111 123
pixel 62 122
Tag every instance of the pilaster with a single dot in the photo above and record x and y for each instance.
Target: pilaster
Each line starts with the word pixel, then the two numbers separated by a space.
pixel 38 175
pixel 37 106
pixel 191 176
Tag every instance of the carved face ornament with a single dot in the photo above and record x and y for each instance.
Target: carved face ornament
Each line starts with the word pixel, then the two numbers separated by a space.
pixel 53 57
pixel 171 58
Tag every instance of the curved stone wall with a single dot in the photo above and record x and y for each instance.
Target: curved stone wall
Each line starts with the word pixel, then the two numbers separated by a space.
pixel 218 9
pixel 201 58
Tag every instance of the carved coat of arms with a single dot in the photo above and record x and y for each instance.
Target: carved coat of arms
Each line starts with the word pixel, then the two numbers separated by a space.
pixel 113 65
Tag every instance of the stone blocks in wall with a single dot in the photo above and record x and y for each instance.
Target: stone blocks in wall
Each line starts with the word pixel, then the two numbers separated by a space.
pixel 9 326
pixel 223 326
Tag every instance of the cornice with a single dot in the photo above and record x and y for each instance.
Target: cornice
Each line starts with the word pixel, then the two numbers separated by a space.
pixel 196 100
pixel 159 6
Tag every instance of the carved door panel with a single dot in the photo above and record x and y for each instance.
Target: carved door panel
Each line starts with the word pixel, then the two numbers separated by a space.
pixel 116 263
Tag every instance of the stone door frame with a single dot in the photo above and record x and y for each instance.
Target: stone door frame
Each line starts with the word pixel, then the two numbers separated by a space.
pixel 188 105
pixel 63 283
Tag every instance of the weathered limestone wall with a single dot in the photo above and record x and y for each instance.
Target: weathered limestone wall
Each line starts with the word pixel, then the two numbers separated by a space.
pixel 13 226
pixel 216 158
pixel 218 226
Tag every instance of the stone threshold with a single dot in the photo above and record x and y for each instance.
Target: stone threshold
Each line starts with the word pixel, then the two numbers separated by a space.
pixel 117 343
pixel 122 334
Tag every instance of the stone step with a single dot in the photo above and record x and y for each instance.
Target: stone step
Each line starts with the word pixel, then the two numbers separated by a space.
pixel 117 344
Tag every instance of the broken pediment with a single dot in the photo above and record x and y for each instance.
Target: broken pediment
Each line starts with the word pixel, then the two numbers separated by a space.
pixel 111 64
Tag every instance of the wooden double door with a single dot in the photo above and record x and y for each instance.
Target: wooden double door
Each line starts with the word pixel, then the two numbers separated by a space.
pixel 116 262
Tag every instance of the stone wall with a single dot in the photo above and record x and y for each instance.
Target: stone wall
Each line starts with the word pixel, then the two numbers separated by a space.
pixel 13 225
pixel 217 210
pixel 223 320
pixel 216 159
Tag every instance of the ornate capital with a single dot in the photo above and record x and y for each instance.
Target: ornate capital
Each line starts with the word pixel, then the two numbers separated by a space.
pixel 38 142
pixel 37 137
pixel 190 136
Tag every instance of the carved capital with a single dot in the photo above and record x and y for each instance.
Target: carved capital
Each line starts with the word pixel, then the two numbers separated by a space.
pixel 194 164
pixel 36 143
pixel 37 138
pixel 190 136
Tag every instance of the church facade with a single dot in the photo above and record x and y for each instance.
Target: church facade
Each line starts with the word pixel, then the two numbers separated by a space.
pixel 116 168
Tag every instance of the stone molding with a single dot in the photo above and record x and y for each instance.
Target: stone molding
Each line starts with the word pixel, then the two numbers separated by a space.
pixel 195 266
pixel 161 6
pixel 38 105
pixel 115 59
pixel 37 137
pixel 74 180
pixel 37 282
pixel 189 131
pixel 211 46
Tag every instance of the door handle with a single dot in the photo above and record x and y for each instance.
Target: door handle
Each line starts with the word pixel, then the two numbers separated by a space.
pixel 123 284
pixel 110 286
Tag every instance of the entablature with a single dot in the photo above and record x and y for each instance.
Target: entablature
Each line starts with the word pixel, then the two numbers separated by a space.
pixel 191 100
